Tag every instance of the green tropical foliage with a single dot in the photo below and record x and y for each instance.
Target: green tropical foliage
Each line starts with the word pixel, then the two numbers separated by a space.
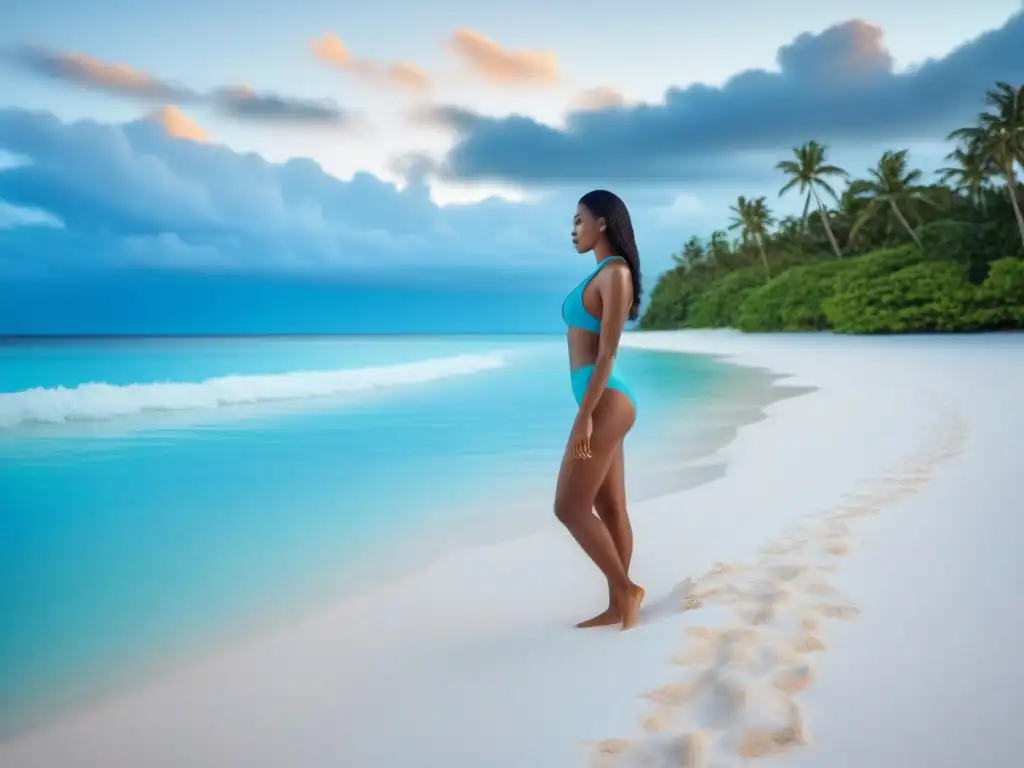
pixel 893 190
pixel 809 173
pixel 970 175
pixel 888 253
pixel 752 218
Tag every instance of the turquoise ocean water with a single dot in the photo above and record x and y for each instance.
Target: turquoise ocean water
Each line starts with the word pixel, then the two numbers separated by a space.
pixel 156 493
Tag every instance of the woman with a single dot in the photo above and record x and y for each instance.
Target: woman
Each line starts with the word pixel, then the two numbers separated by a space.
pixel 591 476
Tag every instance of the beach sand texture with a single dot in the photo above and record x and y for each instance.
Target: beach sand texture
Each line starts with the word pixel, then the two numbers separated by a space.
pixel 736 696
pixel 847 595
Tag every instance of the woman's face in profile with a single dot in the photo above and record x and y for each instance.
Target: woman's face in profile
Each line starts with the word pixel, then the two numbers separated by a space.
pixel 586 229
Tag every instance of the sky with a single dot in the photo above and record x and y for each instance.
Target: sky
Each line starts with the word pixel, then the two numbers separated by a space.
pixel 308 166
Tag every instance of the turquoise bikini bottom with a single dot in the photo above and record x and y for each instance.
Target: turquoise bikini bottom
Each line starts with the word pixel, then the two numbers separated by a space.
pixel 580 378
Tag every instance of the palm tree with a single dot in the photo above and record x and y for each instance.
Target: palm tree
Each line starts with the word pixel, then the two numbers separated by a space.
pixel 809 171
pixel 753 218
pixel 969 175
pixel 789 226
pixel 999 138
pixel 693 253
pixel 718 247
pixel 790 235
pixel 891 186
pixel 847 213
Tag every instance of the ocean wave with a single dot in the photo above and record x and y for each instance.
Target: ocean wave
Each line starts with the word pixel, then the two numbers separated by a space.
pixel 99 401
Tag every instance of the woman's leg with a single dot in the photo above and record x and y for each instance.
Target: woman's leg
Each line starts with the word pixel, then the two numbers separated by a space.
pixel 578 485
pixel 611 509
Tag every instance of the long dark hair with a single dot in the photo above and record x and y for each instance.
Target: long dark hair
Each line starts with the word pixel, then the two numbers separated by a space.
pixel 619 231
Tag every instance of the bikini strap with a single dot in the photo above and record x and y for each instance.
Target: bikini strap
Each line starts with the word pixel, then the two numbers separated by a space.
pixel 601 264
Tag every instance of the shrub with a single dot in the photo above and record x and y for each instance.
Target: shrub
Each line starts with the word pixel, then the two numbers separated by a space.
pixel 718 306
pixel 674 294
pixel 1000 299
pixel 792 301
pixel 927 296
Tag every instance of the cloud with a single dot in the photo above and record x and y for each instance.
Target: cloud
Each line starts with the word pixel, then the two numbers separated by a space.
pixel 130 194
pixel 497 64
pixel 242 102
pixel 838 87
pixel 12 216
pixel 683 205
pixel 236 101
pixel 82 69
pixel 405 75
pixel 132 197
pixel 178 125
pixel 599 98
pixel 10 160
pixel 845 53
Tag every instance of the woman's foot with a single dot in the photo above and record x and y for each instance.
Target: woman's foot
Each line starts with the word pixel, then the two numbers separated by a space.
pixel 630 606
pixel 604 619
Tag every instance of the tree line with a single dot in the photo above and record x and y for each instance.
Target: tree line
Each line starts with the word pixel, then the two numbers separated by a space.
pixel 883 253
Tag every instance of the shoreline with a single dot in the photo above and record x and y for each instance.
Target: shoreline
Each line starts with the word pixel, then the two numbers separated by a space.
pixel 473 661
pixel 747 391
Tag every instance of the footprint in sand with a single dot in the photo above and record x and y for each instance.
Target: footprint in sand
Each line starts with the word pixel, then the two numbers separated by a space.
pixel 837 528
pixel 656 724
pixel 818 587
pixel 730 696
pixel 761 615
pixel 833 611
pixel 699 650
pixel 607 753
pixel 675 694
pixel 685 587
pixel 851 514
pixel 762 743
pixel 783 548
pixel 809 642
pixel 780 654
pixel 792 571
pixel 726 593
pixel 689 751
pixel 837 548
pixel 687 590
pixel 692 603
pixel 768 606
pixel 780 602
pixel 795 679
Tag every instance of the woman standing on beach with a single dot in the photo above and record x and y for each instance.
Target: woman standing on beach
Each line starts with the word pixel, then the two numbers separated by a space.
pixel 592 473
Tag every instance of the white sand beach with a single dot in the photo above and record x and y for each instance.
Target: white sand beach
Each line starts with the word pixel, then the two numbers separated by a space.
pixel 848 594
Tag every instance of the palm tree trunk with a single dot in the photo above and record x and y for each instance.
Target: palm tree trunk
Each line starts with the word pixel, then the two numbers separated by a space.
pixel 764 256
pixel 828 227
pixel 807 207
pixel 906 224
pixel 1011 187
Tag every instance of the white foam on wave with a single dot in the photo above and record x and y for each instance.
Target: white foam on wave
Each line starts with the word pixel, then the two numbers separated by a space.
pixel 98 401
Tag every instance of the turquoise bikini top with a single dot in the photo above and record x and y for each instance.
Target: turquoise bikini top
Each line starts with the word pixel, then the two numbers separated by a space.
pixel 574 313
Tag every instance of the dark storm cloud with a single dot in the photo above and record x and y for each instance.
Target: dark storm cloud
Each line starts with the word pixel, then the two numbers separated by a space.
pixel 837 86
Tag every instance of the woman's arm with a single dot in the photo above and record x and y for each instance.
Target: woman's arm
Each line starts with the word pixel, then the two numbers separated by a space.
pixel 616 292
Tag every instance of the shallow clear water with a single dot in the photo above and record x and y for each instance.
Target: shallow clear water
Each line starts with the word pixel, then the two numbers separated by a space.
pixel 208 481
